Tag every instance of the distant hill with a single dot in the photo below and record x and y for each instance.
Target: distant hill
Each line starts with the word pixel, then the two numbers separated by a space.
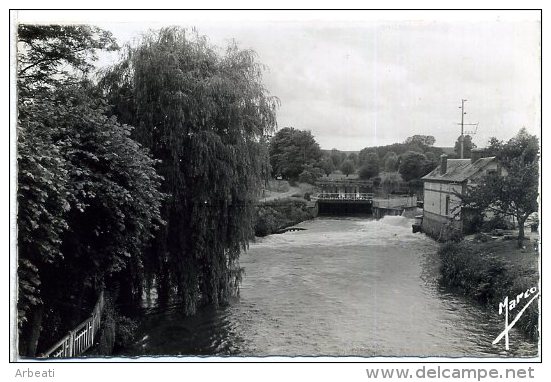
pixel 342 151
pixel 448 150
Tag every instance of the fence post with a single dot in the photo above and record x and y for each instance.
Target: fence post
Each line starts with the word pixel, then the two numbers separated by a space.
pixel 92 328
pixel 71 343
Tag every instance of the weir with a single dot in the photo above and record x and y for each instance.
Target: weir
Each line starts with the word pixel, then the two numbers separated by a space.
pixel 341 203
pixel 363 203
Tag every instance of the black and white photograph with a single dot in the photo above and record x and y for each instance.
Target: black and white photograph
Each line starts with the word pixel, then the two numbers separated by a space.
pixel 260 185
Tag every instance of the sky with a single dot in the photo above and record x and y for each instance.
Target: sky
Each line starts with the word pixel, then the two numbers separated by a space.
pixel 358 79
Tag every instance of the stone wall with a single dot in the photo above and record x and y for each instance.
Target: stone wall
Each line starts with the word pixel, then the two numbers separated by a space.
pixel 440 227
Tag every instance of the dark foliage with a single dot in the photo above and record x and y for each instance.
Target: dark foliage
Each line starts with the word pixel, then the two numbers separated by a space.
pixel 291 150
pixel 279 214
pixel 413 165
pixel 487 280
pixel 347 167
pixel 205 116
pixel 468 145
pixel 87 194
pixel 514 190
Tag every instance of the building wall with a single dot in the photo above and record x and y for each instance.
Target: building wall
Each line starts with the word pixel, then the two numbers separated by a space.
pixel 442 224
pixel 437 222
pixel 435 194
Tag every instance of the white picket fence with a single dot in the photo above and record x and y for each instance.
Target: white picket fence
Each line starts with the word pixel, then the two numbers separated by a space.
pixel 79 339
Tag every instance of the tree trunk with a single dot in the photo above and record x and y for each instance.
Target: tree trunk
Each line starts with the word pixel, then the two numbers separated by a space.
pixel 32 333
pixel 520 231
pixel 163 287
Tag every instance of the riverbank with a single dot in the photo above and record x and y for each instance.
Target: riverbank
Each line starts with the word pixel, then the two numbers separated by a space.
pixel 487 272
pixel 276 215
pixel 282 205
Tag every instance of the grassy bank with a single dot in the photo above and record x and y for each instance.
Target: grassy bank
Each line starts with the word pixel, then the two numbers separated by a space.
pixel 488 272
pixel 281 213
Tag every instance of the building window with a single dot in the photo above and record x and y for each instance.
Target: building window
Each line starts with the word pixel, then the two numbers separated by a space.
pixel 447 205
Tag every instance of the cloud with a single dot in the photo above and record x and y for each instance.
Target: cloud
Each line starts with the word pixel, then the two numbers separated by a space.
pixel 364 83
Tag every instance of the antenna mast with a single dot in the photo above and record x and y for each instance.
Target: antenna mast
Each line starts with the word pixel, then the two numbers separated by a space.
pixel 463 124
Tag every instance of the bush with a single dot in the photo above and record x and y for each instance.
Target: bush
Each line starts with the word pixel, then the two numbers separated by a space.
pixel 117 331
pixel 474 275
pixel 391 182
pixel 307 177
pixel 278 185
pixel 496 222
pixel 310 174
pixel 279 214
pixel 481 237
pixel 487 280
pixel 266 221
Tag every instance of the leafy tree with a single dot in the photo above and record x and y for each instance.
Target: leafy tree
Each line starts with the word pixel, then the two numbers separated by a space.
pixel 370 167
pixel 412 165
pixel 87 193
pixel 42 197
pixel 354 158
pixel 337 157
pixel 347 167
pixel 415 143
pixel 468 145
pixel 99 212
pixel 390 161
pixel 421 140
pixel 515 191
pixel 203 114
pixel 494 147
pixel 326 164
pixel 367 155
pixel 391 183
pixel 49 55
pixel 523 147
pixel 368 171
pixel 431 162
pixel 291 150
pixel 310 174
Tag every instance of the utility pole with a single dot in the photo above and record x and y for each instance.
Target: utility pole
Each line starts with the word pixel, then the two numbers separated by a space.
pixel 463 124
pixel 462 137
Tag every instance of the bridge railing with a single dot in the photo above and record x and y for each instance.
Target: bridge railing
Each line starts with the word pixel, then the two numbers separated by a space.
pixel 344 196
pixel 80 338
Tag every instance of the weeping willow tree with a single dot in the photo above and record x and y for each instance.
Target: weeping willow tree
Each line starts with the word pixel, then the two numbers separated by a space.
pixel 205 115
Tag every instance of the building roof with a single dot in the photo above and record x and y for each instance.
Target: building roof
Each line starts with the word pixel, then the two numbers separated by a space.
pixel 458 170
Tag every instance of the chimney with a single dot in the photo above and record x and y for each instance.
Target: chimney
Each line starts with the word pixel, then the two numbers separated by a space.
pixel 476 154
pixel 443 164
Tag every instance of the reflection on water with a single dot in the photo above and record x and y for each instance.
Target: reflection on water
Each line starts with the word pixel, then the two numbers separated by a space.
pixel 346 286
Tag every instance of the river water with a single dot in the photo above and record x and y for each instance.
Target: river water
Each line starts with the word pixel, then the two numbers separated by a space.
pixel 342 287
